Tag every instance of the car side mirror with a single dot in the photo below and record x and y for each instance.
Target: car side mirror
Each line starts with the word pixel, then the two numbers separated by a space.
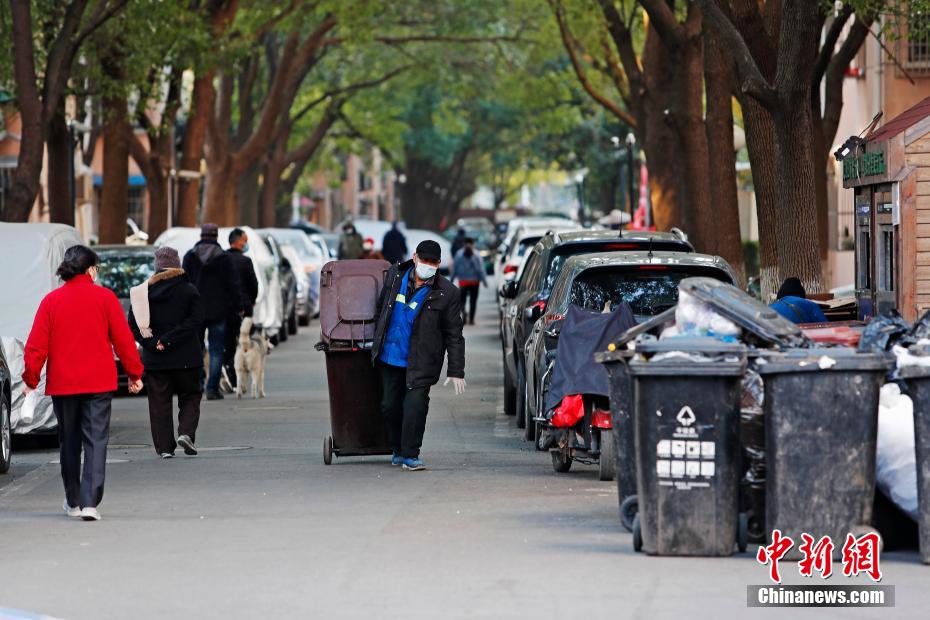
pixel 532 313
pixel 509 289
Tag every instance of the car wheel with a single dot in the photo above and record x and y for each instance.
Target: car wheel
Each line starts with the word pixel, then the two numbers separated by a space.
pixel 292 323
pixel 510 394
pixel 282 333
pixel 529 424
pixel 6 435
pixel 303 321
pixel 521 396
pixel 275 340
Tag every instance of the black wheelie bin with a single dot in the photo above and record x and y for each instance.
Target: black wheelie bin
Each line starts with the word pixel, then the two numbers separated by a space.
pixel 821 427
pixel 348 295
pixel 686 398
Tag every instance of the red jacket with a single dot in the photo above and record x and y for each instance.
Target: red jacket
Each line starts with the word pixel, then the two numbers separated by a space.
pixel 76 329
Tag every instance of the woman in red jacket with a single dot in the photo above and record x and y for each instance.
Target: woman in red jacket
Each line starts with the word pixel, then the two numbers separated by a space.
pixel 76 330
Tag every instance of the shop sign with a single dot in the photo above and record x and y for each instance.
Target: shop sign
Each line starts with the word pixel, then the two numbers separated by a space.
pixel 865 165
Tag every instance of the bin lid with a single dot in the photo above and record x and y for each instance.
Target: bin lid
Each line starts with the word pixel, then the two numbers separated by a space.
pixel 693 346
pixel 821 359
pixel 744 310
pixel 699 345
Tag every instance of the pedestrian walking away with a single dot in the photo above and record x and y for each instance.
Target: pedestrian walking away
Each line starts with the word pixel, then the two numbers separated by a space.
pixel 242 265
pixel 350 242
pixel 166 318
pixel 419 321
pixel 793 304
pixel 458 241
pixel 211 271
pixel 394 244
pixel 468 271
pixel 76 329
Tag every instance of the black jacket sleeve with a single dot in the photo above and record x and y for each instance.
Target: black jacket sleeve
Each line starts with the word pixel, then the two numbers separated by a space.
pixel 191 327
pixel 452 324
pixel 233 285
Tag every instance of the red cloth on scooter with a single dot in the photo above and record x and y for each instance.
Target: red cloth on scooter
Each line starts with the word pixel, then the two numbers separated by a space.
pixel 569 412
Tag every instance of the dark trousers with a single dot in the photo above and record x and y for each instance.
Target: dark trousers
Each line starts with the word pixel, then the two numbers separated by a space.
pixel 161 386
pixel 404 411
pixel 83 422
pixel 216 345
pixel 469 294
pixel 233 323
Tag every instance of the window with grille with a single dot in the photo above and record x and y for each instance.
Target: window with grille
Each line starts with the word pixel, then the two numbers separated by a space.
pixel 918 41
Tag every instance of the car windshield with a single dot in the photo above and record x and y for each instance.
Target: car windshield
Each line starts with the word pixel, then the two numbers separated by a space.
pixel 298 240
pixel 121 272
pixel 648 290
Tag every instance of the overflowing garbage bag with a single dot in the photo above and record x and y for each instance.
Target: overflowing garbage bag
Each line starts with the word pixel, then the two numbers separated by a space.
pixel 895 464
pixel 883 332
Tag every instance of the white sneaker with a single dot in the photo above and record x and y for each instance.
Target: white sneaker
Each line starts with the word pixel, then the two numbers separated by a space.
pixel 71 512
pixel 167 455
pixel 90 514
pixel 185 442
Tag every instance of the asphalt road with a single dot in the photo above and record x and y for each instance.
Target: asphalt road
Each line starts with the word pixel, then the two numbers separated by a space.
pixel 258 527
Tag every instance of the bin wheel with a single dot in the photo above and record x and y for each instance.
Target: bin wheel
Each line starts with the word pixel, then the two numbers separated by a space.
pixel 628 511
pixel 328 450
pixel 637 535
pixel 742 532
pixel 606 463
pixel 561 461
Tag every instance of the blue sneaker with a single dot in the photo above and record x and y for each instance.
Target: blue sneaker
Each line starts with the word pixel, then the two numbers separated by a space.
pixel 397 460
pixel 413 464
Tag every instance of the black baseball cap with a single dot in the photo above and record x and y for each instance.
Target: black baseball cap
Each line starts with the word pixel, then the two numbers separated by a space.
pixel 429 250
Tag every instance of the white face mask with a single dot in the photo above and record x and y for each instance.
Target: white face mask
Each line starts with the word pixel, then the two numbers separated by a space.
pixel 425 272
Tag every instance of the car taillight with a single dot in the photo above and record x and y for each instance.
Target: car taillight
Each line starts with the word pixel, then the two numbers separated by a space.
pixel 510 268
pixel 549 319
pixel 541 304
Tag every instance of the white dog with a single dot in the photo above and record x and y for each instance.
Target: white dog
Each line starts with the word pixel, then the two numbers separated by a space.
pixel 250 359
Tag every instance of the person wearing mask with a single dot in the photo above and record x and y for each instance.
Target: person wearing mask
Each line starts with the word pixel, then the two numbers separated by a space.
pixel 458 241
pixel 468 271
pixel 242 265
pixel 76 330
pixel 394 245
pixel 419 321
pixel 350 242
pixel 211 271
pixel 793 304
pixel 369 251
pixel 166 317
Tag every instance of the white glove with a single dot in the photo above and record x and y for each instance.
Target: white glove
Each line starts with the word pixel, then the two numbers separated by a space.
pixel 458 384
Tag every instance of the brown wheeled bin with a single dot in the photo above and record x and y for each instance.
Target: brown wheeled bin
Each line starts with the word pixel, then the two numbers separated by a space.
pixel 348 294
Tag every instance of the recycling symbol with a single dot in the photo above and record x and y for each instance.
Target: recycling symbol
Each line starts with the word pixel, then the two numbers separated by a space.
pixel 686 417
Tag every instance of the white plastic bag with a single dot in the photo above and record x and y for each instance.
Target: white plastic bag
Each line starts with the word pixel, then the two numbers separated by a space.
pixel 895 462
pixel 693 316
pixel 28 412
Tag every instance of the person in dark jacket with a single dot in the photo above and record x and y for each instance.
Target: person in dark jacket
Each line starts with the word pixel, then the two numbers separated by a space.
pixel 793 304
pixel 211 271
pixel 394 245
pixel 77 328
pixel 468 270
pixel 166 317
pixel 458 241
pixel 350 242
pixel 419 321
pixel 242 264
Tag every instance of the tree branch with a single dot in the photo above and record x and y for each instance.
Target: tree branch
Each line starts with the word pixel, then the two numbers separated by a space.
pixel 751 80
pixel 835 72
pixel 623 40
pixel 662 18
pixel 306 150
pixel 99 17
pixel 829 44
pixel 568 42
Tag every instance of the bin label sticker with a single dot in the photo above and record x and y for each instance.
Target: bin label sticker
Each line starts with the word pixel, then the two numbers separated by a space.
pixel 685 417
pixel 686 452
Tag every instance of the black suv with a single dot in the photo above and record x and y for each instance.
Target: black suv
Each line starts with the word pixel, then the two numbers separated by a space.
pixel 540 270
pixel 647 281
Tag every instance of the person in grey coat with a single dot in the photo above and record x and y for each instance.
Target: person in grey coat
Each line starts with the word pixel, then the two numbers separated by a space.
pixel 468 271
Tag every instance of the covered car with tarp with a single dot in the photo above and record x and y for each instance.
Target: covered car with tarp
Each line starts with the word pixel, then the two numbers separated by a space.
pixel 30 255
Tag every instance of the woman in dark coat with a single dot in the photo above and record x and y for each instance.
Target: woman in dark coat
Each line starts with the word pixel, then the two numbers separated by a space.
pixel 76 330
pixel 166 318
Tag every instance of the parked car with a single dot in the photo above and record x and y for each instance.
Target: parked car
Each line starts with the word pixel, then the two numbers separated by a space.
pixel 483 236
pixel 324 246
pixel 30 255
pixel 122 267
pixel 268 312
pixel 313 255
pixel 647 281
pixel 6 412
pixel 307 302
pixel 308 227
pixel 332 244
pixel 526 298
pixel 288 280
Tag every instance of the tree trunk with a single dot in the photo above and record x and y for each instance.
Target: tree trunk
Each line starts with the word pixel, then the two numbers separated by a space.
pixel 221 198
pixel 718 80
pixel 271 181
pixel 115 195
pixel 60 205
pixel 822 206
pixel 250 198
pixel 195 134
pixel 156 221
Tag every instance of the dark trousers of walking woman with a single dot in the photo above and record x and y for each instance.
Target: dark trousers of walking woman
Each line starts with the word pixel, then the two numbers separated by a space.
pixel 469 293
pixel 161 386
pixel 83 423
pixel 404 411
